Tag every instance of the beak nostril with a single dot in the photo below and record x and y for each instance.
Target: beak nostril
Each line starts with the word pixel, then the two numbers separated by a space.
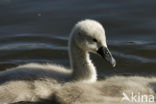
pixel 106 52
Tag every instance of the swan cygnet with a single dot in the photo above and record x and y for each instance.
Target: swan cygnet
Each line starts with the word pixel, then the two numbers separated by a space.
pixel 108 91
pixel 32 82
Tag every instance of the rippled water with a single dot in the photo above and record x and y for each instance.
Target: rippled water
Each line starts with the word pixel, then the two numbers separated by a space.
pixel 38 30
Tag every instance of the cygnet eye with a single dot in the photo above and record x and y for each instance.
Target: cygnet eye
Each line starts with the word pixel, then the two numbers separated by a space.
pixel 94 40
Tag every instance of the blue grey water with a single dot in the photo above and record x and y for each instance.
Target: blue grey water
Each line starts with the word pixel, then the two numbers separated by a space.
pixel 38 30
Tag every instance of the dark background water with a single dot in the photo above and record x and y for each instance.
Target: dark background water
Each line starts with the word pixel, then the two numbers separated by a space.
pixel 38 30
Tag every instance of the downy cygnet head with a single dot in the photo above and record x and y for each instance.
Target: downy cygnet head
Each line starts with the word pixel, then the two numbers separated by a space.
pixel 89 36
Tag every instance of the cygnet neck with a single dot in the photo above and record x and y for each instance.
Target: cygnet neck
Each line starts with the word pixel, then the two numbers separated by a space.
pixel 82 66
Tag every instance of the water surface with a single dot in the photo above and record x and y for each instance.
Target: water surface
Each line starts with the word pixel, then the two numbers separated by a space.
pixel 38 31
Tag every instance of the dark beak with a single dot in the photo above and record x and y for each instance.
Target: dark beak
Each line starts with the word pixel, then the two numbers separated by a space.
pixel 105 53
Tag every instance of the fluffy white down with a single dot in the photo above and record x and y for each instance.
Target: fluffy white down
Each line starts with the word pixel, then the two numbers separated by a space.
pixel 50 83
